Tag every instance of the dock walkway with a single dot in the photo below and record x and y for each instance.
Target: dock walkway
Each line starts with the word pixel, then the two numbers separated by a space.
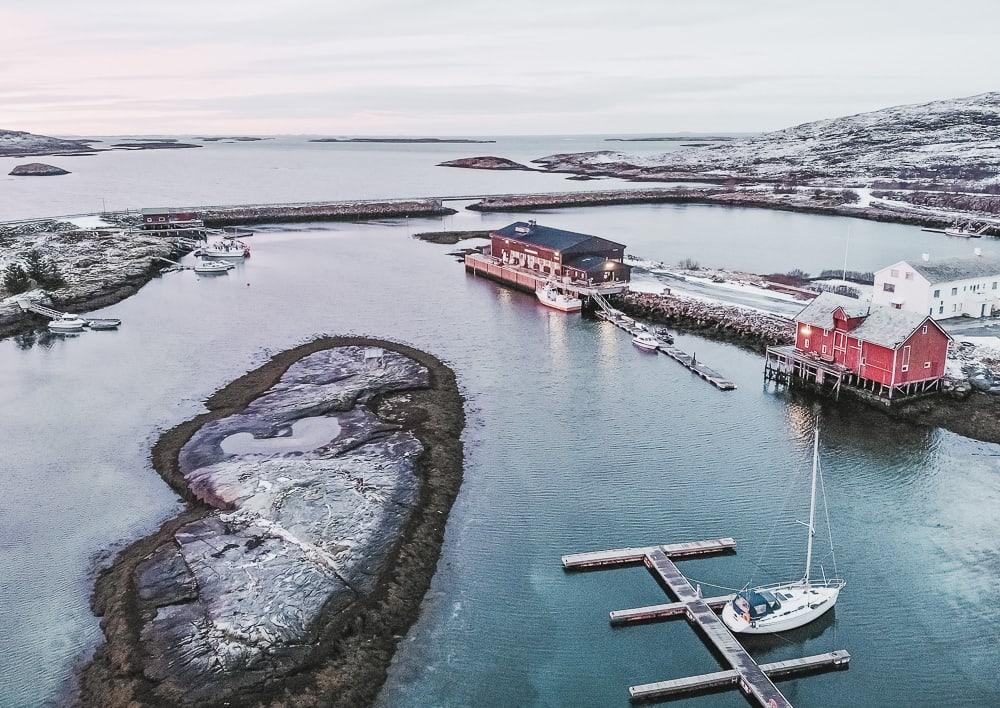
pixel 755 680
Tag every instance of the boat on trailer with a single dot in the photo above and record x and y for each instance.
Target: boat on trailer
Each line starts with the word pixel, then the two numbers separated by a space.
pixel 550 296
pixel 777 608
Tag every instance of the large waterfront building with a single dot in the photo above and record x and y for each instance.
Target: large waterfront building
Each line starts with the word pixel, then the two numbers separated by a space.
pixel 952 287
pixel 560 254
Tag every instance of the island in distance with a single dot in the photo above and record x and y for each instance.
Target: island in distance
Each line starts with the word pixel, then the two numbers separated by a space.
pixel 318 488
pixel 400 140
pixel 37 169
pixel 18 143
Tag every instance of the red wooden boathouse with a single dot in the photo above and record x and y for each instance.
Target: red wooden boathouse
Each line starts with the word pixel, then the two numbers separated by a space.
pixel 845 341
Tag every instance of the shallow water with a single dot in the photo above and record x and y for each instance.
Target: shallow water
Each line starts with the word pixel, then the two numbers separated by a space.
pixel 303 435
pixel 574 441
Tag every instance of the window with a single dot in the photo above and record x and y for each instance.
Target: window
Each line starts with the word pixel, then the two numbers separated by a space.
pixel 806 344
pixel 927 365
pixel 906 358
pixel 994 285
pixel 937 294
pixel 954 291
pixel 941 310
pixel 954 307
pixel 909 276
pixel 923 330
pixel 897 306
pixel 894 273
pixel 888 287
pixel 824 349
pixel 826 332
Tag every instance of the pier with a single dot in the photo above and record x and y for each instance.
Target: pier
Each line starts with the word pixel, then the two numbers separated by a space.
pixel 756 681
pixel 688 361
pixel 52 314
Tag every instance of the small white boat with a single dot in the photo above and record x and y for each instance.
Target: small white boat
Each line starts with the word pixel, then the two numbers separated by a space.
pixel 67 323
pixel 228 249
pixel 776 608
pixel 646 341
pixel 551 297
pixel 210 267
pixel 105 323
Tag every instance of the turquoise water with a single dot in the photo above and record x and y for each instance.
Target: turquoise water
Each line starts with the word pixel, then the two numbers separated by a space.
pixel 574 442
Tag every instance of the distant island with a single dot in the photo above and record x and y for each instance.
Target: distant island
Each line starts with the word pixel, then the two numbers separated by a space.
pixel 18 143
pixel 399 140
pixel 485 162
pixel 673 138
pixel 153 144
pixel 234 138
pixel 37 169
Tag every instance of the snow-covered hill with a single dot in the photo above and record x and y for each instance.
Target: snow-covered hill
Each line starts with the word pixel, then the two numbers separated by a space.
pixel 952 140
pixel 17 143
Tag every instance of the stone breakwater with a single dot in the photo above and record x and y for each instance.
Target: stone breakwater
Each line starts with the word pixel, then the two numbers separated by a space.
pixel 294 571
pixel 320 211
pixel 747 326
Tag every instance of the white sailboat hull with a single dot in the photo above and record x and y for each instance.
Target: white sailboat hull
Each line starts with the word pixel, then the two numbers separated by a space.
pixel 806 604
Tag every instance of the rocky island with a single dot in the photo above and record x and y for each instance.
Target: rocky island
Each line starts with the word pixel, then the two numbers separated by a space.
pixel 317 491
pixel 444 141
pixel 37 169
pixel 485 162
pixel 18 143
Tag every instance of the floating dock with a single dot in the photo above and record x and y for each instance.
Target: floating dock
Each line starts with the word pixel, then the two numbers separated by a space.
pixel 92 322
pixel 756 681
pixel 688 361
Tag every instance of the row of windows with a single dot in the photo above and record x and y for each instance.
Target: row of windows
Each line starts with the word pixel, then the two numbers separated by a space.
pixel 976 287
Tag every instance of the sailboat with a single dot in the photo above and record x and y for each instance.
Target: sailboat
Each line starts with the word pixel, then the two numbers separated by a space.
pixel 783 606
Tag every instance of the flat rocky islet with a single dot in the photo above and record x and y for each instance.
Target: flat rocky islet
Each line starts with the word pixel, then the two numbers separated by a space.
pixel 289 577
pixel 37 169
pixel 444 141
pixel 163 144
pixel 485 162
pixel 451 237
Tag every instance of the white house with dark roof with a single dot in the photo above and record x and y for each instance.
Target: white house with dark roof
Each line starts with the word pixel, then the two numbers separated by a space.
pixel 952 287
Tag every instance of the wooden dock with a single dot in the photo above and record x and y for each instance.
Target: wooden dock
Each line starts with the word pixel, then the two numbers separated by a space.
pixel 688 361
pixel 755 680
pixel 675 688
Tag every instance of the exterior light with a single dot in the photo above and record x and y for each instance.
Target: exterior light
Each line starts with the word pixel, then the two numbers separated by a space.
pixel 805 330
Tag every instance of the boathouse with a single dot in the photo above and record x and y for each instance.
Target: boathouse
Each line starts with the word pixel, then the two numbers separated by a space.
pixel 166 219
pixel 560 254
pixel 841 341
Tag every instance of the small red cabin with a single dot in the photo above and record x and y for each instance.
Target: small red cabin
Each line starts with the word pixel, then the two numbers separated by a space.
pixel 167 219
pixel 890 347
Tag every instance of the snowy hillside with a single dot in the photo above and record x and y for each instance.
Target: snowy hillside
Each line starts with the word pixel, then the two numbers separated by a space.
pixel 16 143
pixel 952 140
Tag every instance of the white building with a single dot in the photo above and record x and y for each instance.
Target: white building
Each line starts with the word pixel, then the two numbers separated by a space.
pixel 952 287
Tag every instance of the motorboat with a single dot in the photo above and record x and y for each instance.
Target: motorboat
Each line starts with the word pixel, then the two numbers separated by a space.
pixel 664 334
pixel 104 323
pixel 67 323
pixel 965 231
pixel 777 608
pixel 231 249
pixel 550 296
pixel 207 266
pixel 646 341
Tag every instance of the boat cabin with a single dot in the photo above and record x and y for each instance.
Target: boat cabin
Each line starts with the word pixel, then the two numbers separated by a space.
pixel 756 603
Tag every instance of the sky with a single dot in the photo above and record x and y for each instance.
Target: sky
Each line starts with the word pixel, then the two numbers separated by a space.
pixel 507 67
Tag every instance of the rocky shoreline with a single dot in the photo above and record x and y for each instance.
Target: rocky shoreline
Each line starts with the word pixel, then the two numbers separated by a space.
pixel 100 267
pixel 961 410
pixel 251 597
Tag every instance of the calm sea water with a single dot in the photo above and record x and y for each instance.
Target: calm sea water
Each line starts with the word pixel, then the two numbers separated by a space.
pixel 575 441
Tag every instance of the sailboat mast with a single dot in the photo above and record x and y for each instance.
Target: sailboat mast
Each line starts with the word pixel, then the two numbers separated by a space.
pixel 812 505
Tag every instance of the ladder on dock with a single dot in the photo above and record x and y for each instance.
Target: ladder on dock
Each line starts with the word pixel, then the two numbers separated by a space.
pixel 602 302
pixel 755 680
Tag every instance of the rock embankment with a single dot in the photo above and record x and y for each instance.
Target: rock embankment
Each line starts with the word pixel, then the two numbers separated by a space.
pixel 303 556
pixel 450 237
pixel 321 211
pixel 748 327
pixel 37 169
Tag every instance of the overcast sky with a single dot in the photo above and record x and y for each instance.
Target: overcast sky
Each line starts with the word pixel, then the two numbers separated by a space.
pixel 474 67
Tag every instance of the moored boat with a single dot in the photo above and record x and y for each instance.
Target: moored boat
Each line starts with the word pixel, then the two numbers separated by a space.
pixel 207 266
pixel 646 342
pixel 67 323
pixel 550 296
pixel 777 608
pixel 228 249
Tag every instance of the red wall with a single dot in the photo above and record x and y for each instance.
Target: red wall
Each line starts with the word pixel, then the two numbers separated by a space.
pixel 931 347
